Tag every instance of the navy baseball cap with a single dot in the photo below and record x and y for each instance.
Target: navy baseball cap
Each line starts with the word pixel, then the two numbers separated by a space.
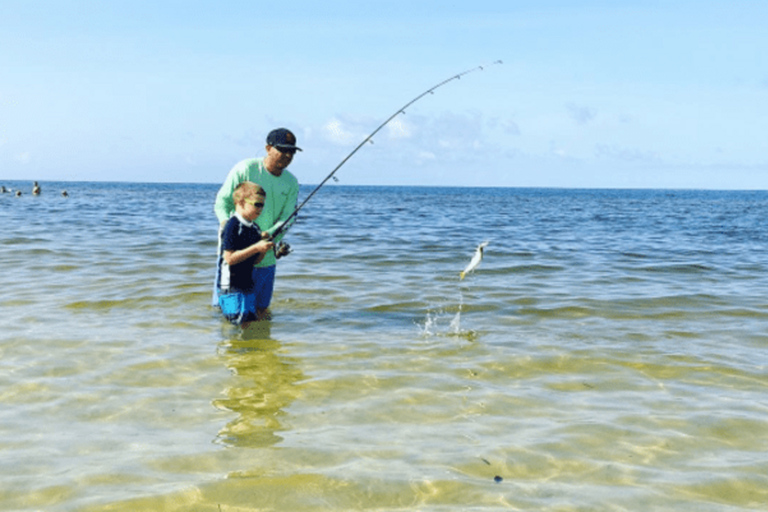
pixel 282 138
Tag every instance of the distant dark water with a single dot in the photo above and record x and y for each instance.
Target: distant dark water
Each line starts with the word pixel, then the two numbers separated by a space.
pixel 610 352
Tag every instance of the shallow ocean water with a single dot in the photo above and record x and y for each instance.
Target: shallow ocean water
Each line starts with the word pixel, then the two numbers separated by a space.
pixel 609 353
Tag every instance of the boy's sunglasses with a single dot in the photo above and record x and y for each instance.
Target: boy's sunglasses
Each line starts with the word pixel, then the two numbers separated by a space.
pixel 254 203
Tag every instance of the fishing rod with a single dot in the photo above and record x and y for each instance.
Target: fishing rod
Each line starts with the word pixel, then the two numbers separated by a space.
pixel 285 225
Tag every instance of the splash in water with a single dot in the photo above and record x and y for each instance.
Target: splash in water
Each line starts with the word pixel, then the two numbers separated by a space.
pixel 432 323
pixel 455 327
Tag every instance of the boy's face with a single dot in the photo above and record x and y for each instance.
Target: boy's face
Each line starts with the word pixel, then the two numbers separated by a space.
pixel 251 207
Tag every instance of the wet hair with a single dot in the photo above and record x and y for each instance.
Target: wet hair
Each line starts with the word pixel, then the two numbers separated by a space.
pixel 247 189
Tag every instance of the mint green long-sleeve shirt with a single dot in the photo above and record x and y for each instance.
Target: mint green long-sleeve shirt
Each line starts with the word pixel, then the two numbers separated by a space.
pixel 282 196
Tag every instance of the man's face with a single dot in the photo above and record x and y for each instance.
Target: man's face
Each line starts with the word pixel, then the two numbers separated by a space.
pixel 278 160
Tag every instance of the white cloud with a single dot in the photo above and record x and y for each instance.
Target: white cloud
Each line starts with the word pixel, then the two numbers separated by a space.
pixel 340 132
pixel 345 131
pixel 398 128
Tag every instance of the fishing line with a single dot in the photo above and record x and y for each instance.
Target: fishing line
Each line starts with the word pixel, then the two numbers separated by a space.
pixel 286 224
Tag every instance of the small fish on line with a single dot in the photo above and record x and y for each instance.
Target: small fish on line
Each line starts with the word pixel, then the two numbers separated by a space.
pixel 476 259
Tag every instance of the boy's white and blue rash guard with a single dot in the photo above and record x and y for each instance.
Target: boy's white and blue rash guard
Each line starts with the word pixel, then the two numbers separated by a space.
pixel 282 197
pixel 238 234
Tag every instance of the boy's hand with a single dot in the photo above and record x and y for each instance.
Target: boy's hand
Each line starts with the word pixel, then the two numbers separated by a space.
pixel 264 245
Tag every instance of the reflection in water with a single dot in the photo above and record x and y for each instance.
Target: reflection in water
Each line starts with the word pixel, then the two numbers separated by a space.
pixel 264 385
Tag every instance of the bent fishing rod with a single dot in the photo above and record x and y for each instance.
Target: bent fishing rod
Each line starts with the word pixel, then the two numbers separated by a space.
pixel 286 224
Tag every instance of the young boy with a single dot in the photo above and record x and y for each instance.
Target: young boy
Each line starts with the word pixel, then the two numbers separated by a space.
pixel 242 246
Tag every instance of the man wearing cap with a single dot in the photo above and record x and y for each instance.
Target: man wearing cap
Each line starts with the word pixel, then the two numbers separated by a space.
pixel 282 192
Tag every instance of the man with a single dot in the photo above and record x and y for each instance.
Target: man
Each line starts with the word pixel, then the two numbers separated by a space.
pixel 282 193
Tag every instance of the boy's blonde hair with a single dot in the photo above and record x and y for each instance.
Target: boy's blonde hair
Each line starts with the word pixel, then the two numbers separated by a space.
pixel 245 190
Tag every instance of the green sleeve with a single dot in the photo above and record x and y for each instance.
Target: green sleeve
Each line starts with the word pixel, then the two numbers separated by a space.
pixel 286 186
pixel 289 205
pixel 224 206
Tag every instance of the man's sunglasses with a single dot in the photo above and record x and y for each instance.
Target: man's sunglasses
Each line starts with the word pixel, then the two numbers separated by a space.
pixel 255 204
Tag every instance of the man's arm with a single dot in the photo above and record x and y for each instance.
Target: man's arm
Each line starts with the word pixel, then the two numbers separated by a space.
pixel 224 206
pixel 291 201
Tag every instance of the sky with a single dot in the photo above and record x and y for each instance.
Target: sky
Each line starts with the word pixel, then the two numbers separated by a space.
pixel 591 94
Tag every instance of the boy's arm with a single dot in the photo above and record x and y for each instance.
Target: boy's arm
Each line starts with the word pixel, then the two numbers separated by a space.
pixel 239 256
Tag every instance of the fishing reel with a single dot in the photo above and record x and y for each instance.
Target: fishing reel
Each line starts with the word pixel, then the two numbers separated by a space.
pixel 282 249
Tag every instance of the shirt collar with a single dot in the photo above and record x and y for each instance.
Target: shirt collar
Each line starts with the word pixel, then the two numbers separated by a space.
pixel 243 221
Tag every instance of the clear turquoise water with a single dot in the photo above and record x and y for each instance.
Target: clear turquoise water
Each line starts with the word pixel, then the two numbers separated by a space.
pixel 608 354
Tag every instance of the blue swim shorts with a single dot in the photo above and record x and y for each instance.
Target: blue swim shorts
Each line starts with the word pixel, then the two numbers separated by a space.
pixel 238 307
pixel 263 285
